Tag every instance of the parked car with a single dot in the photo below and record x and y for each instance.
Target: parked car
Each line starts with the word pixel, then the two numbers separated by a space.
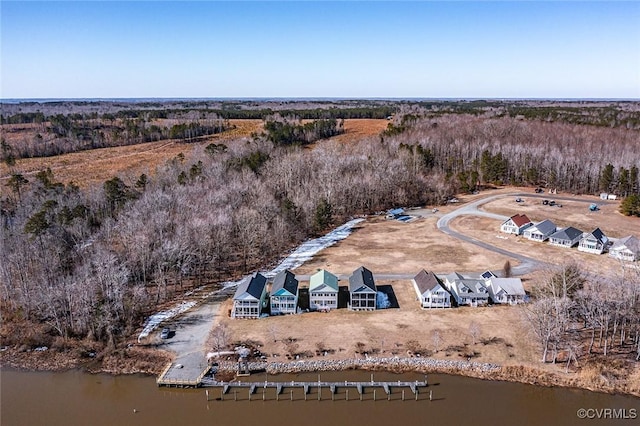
pixel 164 334
pixel 539 190
pixel 545 202
pixel 552 203
pixel 519 200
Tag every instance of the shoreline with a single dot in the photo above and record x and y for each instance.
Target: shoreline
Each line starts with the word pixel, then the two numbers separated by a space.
pixel 153 364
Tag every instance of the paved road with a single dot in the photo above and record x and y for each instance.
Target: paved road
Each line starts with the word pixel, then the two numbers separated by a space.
pixel 526 264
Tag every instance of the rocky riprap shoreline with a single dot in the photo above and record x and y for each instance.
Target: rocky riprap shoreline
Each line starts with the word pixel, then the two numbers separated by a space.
pixel 392 364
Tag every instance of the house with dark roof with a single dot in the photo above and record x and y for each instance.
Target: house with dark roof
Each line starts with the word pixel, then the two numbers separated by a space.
pixel 627 249
pixel 284 294
pixel 516 224
pixel 250 297
pixel 323 291
pixel 430 291
pixel 594 242
pixel 506 290
pixel 566 237
pixel 540 231
pixel 362 290
pixel 467 290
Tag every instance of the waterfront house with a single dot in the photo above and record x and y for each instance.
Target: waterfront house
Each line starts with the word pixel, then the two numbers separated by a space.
pixel 467 291
pixel 250 297
pixel 595 242
pixel 540 231
pixel 506 290
pixel 284 294
pixel 362 290
pixel 627 248
pixel 430 291
pixel 323 291
pixel 567 237
pixel 516 224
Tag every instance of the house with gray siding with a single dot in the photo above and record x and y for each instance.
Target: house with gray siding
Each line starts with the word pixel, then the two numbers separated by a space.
pixel 362 290
pixel 540 231
pixel 566 237
pixel 284 294
pixel 430 291
pixel 594 242
pixel 250 297
pixel 467 290
pixel 627 249
pixel 323 291
pixel 506 290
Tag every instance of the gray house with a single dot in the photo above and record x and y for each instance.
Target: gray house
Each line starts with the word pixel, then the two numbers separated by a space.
pixel 567 237
pixel 506 290
pixel 540 231
pixel 284 294
pixel 323 291
pixel 627 248
pixel 250 297
pixel 430 291
pixel 362 290
pixel 595 242
pixel 467 291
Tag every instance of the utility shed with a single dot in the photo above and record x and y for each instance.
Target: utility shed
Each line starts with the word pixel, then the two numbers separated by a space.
pixel 362 290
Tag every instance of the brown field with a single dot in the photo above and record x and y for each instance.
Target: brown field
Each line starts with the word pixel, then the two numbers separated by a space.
pixel 87 168
pixel 389 332
pixel 394 247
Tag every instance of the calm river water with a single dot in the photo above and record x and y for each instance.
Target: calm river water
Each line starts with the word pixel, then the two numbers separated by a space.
pixel 75 398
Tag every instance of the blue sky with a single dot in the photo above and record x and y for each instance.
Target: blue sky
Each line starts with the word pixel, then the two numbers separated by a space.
pixel 350 49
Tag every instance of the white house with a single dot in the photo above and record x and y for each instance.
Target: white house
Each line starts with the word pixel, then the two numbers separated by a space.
pixel 323 291
pixel 540 231
pixel 595 242
pixel 566 237
pixel 250 297
pixel 516 224
pixel 506 290
pixel 362 290
pixel 467 291
pixel 284 294
pixel 430 291
pixel 627 248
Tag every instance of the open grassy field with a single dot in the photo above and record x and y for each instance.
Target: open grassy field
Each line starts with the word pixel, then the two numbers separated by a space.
pixel 92 167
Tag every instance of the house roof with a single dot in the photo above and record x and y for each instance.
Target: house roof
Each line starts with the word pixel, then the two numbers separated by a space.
pixel 544 227
pixel 630 242
pixel 251 287
pixel 519 219
pixel 362 281
pixel 287 281
pixel 453 277
pixel 511 286
pixel 476 287
pixel 426 281
pixel 487 274
pixel 598 235
pixel 396 212
pixel 323 280
pixel 569 233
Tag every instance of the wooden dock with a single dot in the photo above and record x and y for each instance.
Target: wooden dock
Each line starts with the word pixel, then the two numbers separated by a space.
pixel 333 387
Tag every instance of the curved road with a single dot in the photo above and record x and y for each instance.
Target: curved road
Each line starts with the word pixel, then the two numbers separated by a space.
pixel 527 264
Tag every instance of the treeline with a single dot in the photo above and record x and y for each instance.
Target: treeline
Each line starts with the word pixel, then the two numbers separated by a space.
pixel 474 151
pixel 575 316
pixel 91 264
pixel 67 133
pixel 283 131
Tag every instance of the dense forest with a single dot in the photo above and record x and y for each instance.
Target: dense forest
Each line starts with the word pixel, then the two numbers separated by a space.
pixel 91 263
